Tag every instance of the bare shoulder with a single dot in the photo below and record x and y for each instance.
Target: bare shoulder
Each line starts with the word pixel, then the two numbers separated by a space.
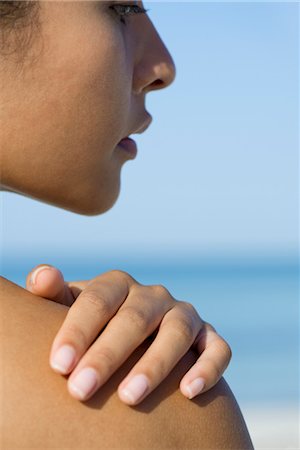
pixel 38 412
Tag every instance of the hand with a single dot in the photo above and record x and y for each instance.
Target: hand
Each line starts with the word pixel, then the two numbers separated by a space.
pixel 130 312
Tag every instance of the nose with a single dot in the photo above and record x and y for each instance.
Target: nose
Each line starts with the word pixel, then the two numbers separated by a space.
pixel 155 69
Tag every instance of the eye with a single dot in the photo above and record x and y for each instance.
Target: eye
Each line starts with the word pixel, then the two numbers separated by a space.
pixel 124 10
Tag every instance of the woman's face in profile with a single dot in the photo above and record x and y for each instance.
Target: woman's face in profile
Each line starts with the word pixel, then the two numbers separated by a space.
pixel 65 114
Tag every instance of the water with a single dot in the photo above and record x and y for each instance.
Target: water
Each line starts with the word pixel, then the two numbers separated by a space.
pixel 252 304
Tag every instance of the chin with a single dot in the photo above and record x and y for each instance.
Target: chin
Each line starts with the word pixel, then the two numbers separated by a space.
pixel 92 209
pixel 88 208
pixel 92 205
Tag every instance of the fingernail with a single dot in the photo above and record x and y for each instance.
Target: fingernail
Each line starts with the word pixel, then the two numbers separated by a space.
pixel 33 277
pixel 195 387
pixel 63 359
pixel 135 389
pixel 84 383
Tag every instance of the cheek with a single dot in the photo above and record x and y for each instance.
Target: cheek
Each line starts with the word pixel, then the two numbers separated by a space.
pixel 74 111
pixel 94 105
pixel 96 117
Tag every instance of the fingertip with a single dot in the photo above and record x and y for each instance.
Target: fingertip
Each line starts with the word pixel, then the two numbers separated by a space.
pixel 50 272
pixel 33 274
pixel 63 359
pixel 193 388
pixel 84 384
pixel 46 280
pixel 133 391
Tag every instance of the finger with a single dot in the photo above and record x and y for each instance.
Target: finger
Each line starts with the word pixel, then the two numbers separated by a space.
pixel 126 331
pixel 215 355
pixel 93 308
pixel 176 334
pixel 48 282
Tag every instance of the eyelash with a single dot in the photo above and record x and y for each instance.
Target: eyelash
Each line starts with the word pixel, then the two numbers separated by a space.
pixel 129 10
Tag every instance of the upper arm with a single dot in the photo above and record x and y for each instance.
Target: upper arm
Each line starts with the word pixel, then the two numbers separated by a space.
pixel 39 412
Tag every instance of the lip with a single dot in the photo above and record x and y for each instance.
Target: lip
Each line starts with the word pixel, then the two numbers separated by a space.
pixel 128 144
pixel 130 147
pixel 145 125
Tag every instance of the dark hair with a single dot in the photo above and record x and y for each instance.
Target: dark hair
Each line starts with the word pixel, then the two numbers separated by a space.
pixel 19 23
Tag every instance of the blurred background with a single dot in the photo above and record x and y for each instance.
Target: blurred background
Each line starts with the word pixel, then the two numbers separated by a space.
pixel 209 207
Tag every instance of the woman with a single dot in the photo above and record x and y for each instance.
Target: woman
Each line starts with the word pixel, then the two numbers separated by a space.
pixel 74 76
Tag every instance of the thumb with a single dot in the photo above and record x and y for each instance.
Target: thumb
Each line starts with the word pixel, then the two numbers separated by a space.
pixel 48 282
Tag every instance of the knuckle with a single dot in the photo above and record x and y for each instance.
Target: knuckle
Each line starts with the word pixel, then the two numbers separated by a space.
pixel 106 357
pixel 212 369
pixel 72 333
pixel 157 369
pixel 190 313
pixel 217 371
pixel 224 349
pixel 190 308
pixel 99 304
pixel 137 317
pixel 121 274
pixel 227 350
pixel 161 290
pixel 185 329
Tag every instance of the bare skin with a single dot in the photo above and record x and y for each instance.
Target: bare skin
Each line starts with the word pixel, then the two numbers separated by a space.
pixel 36 399
pixel 79 93
pixel 65 113
pixel 134 312
pixel 82 89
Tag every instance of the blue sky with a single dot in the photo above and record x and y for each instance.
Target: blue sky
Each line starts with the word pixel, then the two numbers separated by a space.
pixel 217 171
